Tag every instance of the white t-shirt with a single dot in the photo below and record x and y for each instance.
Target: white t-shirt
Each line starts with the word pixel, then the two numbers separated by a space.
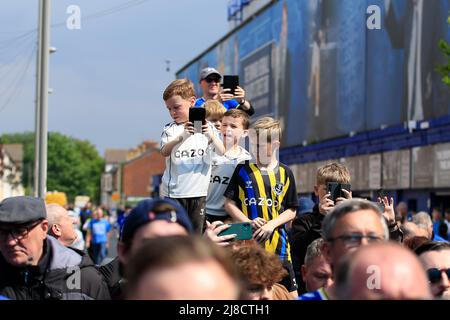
pixel 222 169
pixel 188 167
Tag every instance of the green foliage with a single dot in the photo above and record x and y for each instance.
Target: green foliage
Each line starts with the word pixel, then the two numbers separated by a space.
pixel 444 70
pixel 74 166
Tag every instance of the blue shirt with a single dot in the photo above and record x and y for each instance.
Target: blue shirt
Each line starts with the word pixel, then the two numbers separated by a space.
pixel 314 295
pixel 438 238
pixel 229 104
pixel 436 225
pixel 99 230
pixel 121 221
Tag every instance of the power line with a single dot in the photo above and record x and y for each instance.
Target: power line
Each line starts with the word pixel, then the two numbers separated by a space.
pixel 106 12
pixel 92 16
pixel 16 74
pixel 5 44
pixel 19 84
pixel 9 58
pixel 24 37
pixel 5 52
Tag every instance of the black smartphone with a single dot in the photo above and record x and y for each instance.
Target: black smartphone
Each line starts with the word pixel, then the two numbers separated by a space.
pixel 243 231
pixel 335 189
pixel 231 82
pixel 197 116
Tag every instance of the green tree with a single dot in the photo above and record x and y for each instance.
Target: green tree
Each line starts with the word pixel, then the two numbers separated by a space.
pixel 74 166
pixel 444 70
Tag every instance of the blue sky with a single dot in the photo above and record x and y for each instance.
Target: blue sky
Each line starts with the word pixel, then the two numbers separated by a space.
pixel 108 77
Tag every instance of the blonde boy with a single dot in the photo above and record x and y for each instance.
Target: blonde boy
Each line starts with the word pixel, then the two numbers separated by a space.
pixel 234 127
pixel 214 112
pixel 188 169
pixel 264 194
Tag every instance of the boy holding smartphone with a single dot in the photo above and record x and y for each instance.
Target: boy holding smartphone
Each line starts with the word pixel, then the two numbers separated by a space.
pixel 264 194
pixel 234 127
pixel 307 228
pixel 187 153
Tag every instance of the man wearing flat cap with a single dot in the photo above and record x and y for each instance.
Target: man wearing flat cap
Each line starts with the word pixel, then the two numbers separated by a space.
pixel 36 267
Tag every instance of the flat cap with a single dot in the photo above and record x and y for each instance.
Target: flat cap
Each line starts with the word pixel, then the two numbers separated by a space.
pixel 22 210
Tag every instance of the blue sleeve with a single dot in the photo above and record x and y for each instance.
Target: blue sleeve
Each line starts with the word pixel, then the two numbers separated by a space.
pixel 231 104
pixel 199 102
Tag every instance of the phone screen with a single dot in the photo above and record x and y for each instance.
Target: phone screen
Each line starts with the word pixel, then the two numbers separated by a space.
pixel 197 117
pixel 381 194
pixel 231 82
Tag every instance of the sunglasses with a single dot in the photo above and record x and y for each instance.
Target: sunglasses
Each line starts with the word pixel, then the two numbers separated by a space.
pixel 435 274
pixel 209 80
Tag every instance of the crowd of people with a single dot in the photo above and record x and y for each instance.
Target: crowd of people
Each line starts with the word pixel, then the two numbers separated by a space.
pixel 223 172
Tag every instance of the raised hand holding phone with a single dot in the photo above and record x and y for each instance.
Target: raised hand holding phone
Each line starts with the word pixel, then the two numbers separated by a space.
pixel 242 230
pixel 197 117
pixel 231 82
pixel 339 191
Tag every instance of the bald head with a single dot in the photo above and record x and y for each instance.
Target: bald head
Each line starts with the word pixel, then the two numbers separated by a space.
pixel 382 271
pixel 54 213
pixel 403 207
pixel 423 221
pixel 60 224
pixel 411 230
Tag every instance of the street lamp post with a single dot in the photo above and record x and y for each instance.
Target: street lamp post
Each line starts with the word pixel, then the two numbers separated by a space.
pixel 42 100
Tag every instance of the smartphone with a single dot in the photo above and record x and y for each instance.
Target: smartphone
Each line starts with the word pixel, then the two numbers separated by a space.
pixel 243 231
pixel 197 116
pixel 335 189
pixel 231 82
pixel 381 194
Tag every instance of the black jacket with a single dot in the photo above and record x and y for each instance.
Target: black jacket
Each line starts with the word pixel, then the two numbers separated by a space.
pixel 305 229
pixel 250 111
pixel 112 274
pixel 62 274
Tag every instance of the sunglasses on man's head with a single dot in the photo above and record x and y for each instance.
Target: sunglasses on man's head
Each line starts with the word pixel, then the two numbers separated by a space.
pixel 435 274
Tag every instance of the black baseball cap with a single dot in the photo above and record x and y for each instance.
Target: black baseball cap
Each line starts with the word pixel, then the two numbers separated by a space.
pixel 144 213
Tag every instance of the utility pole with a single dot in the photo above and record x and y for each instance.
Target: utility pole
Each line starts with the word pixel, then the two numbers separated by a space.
pixel 40 179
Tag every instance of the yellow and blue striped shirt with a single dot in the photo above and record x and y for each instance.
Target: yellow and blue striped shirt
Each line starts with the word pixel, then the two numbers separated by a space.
pixel 265 194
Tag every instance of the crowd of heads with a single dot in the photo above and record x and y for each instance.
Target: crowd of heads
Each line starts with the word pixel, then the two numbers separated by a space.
pixel 343 247
pixel 354 258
